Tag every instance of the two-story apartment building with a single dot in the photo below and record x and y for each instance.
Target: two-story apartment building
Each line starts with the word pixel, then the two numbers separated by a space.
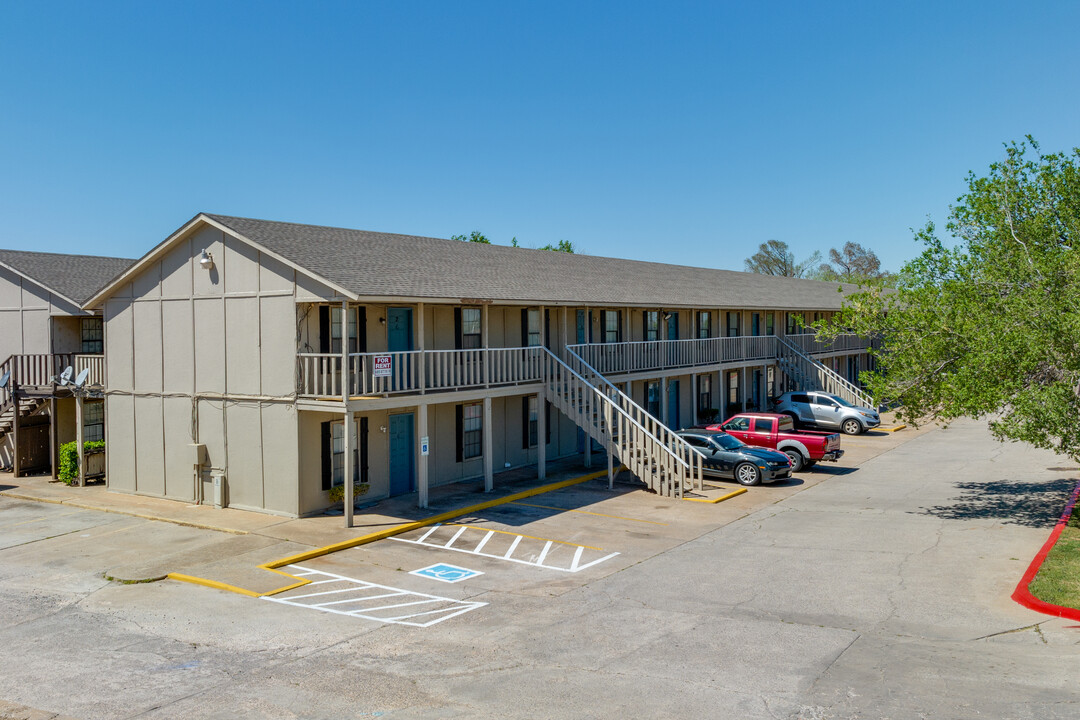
pixel 43 331
pixel 261 363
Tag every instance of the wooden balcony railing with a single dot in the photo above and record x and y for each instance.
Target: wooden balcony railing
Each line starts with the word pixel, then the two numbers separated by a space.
pixel 626 357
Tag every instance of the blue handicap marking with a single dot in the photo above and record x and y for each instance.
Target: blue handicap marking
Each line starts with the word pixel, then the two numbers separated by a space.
pixel 446 573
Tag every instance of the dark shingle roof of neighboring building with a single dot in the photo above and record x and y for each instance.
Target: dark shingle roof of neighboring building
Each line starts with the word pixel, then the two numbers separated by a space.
pixel 381 264
pixel 75 277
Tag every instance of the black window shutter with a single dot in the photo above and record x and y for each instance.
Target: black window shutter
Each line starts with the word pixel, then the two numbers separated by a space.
pixel 364 476
pixel 547 328
pixel 457 328
pixel 326 462
pixel 525 423
pixel 547 422
pixel 524 327
pixel 459 418
pixel 324 328
pixel 361 329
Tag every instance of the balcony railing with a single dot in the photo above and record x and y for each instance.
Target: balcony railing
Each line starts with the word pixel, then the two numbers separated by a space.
pixel 417 371
pixel 809 343
pixel 319 375
pixel 626 357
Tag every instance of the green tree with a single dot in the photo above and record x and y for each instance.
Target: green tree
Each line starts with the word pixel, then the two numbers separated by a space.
pixel 564 246
pixel 987 326
pixel 852 264
pixel 475 236
pixel 774 257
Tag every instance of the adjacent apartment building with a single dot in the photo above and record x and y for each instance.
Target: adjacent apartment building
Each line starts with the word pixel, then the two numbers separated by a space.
pixel 43 331
pixel 258 364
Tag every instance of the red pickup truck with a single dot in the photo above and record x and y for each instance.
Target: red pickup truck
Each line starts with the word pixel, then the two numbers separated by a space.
pixel 777 432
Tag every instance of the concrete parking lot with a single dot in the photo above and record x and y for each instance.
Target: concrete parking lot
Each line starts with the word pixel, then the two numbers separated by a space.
pixel 878 588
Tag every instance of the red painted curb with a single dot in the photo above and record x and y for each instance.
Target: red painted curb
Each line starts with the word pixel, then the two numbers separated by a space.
pixel 1022 595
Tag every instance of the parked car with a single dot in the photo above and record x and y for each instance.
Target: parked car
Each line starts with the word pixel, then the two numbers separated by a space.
pixel 728 457
pixel 825 410
pixel 777 432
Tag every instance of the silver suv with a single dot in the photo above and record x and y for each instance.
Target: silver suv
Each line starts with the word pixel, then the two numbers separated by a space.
pixel 825 410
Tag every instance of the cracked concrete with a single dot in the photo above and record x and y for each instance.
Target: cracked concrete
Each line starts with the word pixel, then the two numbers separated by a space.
pixel 877 594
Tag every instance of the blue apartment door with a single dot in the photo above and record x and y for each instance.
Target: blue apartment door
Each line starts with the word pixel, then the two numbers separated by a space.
pixel 402 454
pixel 399 329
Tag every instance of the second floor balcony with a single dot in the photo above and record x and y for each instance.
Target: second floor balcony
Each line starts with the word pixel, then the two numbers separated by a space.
pixel 373 374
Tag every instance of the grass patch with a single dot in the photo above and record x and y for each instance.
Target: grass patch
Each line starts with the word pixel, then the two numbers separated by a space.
pixel 1058 581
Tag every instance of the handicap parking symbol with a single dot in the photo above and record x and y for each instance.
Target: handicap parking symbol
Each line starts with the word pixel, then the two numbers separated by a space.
pixel 446 573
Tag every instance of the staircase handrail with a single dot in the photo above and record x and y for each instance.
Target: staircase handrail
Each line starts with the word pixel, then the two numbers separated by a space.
pixel 860 396
pixel 615 406
pixel 6 392
pixel 687 449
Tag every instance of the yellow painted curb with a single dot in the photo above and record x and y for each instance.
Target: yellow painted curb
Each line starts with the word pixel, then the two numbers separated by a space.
pixel 380 535
pixel 722 498
pixel 894 428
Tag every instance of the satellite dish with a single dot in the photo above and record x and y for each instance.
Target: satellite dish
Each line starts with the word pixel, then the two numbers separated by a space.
pixel 83 376
pixel 65 377
pixel 4 380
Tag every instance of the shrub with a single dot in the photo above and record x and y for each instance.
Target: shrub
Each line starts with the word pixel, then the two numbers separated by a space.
pixel 69 459
pixel 337 493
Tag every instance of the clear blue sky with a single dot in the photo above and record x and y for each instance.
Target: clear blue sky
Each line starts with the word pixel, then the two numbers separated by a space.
pixel 681 132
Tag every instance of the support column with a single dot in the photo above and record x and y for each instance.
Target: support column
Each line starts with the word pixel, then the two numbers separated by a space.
pixel 541 435
pixel 485 343
pixel 347 433
pixel 422 460
pixel 489 461
pixel 346 379
pixel 79 444
pixel 663 400
pixel 420 347
pixel 15 464
pixel 54 446
pixel 694 397
pixel 742 387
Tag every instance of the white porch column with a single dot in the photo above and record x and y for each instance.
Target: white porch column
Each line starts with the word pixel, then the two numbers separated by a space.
pixel 694 397
pixel 485 343
pixel 422 370
pixel 346 380
pixel 742 387
pixel 663 400
pixel 489 471
pixel 348 431
pixel 78 435
pixel 541 435
pixel 422 460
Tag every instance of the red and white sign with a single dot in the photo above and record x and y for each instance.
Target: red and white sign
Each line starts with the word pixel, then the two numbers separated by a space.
pixel 384 365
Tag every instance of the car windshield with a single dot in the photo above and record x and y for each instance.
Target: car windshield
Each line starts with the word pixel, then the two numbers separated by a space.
pixel 727 442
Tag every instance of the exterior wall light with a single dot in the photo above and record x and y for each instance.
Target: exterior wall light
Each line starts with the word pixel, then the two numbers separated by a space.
pixel 206 260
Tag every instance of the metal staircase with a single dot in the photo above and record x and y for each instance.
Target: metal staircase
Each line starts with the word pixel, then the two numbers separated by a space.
pixel 809 374
pixel 661 459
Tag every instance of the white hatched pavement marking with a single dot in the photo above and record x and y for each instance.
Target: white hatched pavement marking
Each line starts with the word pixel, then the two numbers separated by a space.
pixel 452 607
pixel 575 565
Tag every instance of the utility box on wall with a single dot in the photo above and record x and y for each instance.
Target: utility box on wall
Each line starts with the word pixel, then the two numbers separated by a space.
pixel 220 488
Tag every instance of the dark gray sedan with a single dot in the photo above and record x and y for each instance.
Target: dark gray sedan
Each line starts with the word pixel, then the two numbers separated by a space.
pixel 728 457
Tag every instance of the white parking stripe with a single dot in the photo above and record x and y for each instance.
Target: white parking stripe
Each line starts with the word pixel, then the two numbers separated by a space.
pixel 450 607
pixel 542 559
pixel 456 536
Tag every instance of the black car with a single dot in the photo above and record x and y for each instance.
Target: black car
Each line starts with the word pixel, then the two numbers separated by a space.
pixel 728 457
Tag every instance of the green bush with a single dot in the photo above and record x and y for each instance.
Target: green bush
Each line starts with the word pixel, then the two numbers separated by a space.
pixel 69 459
pixel 337 493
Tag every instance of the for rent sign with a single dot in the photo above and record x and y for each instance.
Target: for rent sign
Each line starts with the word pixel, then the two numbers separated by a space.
pixel 384 365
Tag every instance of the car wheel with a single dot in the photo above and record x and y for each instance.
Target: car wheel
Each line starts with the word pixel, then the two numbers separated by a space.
pixel 851 426
pixel 747 474
pixel 796 458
